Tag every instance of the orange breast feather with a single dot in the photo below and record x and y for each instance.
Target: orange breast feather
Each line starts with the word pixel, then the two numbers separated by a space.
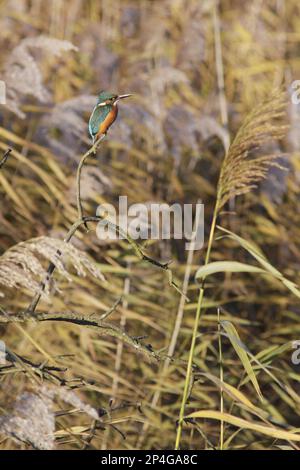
pixel 110 118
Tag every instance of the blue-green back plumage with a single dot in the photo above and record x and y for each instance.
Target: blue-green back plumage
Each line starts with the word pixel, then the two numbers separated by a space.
pixel 98 115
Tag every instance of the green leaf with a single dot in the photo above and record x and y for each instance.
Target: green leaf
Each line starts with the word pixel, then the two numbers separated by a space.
pixel 260 257
pixel 241 352
pixel 235 394
pixel 227 266
pixel 243 424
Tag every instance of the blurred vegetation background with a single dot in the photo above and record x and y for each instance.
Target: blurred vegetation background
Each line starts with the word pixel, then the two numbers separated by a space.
pixel 196 69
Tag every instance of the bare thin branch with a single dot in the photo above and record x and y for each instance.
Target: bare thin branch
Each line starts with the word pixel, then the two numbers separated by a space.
pixel 5 157
pixel 102 328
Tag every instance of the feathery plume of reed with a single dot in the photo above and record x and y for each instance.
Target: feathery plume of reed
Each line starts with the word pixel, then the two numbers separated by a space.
pixel 239 174
pixel 22 70
pixel 32 419
pixel 68 396
pixel 21 266
pixel 240 170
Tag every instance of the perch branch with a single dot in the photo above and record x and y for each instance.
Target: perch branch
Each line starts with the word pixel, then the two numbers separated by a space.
pixel 91 151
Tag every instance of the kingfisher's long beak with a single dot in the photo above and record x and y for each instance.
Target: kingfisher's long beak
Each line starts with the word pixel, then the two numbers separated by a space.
pixel 120 97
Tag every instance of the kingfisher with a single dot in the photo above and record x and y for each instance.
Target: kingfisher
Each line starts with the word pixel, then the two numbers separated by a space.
pixel 104 113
